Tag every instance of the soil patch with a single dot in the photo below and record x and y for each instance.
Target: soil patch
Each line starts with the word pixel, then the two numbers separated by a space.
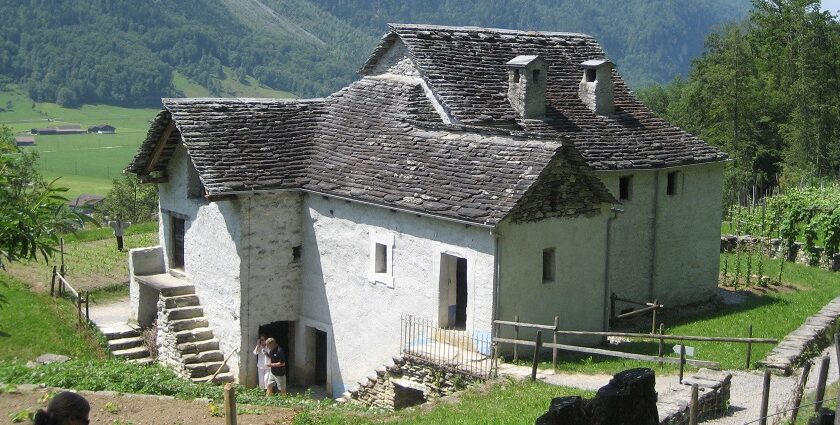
pixel 145 410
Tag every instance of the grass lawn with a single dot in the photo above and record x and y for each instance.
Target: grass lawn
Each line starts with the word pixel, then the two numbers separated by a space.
pixel 505 402
pixel 773 312
pixel 92 261
pixel 33 323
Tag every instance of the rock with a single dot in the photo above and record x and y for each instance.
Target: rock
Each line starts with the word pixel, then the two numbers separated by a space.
pixel 564 410
pixel 408 393
pixel 51 358
pixel 629 398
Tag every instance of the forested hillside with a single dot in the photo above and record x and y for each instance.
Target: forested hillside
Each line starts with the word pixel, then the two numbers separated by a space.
pixel 766 90
pixel 127 52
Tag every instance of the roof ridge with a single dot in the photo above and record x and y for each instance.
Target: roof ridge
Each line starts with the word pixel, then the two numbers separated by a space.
pixel 183 100
pixel 486 29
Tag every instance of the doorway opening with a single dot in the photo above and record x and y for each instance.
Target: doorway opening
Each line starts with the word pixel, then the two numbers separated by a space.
pixel 178 231
pixel 320 377
pixel 281 332
pixel 453 292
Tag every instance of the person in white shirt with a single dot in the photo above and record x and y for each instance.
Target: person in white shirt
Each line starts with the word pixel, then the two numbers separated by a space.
pixel 119 227
pixel 261 351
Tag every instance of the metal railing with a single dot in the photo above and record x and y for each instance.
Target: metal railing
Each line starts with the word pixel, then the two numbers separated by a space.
pixel 459 351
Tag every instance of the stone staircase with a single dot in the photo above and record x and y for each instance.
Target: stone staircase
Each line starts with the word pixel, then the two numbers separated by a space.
pixel 185 339
pixel 127 342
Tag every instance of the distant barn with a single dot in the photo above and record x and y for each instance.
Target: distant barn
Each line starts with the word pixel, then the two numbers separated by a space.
pixel 61 129
pixel 102 129
pixel 24 141
pixel 86 203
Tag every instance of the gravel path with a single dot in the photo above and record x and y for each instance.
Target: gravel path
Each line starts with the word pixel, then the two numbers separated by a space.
pixel 108 315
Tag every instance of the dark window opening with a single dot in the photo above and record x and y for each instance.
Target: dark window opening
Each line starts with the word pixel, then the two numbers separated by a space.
pixel 381 264
pixel 296 254
pixel 177 242
pixel 590 75
pixel 548 266
pixel 624 187
pixel 461 294
pixel 515 75
pixel 672 183
pixel 535 76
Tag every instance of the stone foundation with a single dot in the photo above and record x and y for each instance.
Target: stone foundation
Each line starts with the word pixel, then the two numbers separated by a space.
pixel 406 382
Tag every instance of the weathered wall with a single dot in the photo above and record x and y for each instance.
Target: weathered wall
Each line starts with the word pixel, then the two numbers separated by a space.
pixel 577 292
pixel 211 260
pixel 142 261
pixel 270 274
pixel 362 319
pixel 687 234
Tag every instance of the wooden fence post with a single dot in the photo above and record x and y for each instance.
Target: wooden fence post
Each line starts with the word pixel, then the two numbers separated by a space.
pixel 661 343
pixel 765 398
pixel 537 347
pixel 230 404
pixel 800 390
pixel 554 339
pixel 516 337
pixel 820 394
pixel 79 307
pixel 87 305
pixel 749 348
pixel 693 410
pixel 682 361
pixel 63 269
pixel 653 322
pixel 52 282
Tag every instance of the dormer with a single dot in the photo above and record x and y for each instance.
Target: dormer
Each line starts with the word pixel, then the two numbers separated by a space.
pixel 526 85
pixel 596 86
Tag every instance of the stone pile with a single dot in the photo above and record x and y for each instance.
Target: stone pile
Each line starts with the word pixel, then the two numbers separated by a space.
pixel 712 398
pixel 773 248
pixel 813 335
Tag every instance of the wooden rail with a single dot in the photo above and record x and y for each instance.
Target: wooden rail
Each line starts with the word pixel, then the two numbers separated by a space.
pixel 64 287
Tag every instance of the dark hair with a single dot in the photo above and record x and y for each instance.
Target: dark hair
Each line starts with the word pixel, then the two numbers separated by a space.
pixel 64 406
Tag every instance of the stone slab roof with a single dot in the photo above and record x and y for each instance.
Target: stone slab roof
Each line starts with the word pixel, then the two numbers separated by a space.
pixel 367 142
pixel 465 66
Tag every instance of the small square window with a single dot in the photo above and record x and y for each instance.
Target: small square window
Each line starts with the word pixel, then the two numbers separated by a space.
pixel 671 188
pixel 381 265
pixel 590 75
pixel 624 187
pixel 381 259
pixel 515 75
pixel 296 254
pixel 548 265
pixel 535 76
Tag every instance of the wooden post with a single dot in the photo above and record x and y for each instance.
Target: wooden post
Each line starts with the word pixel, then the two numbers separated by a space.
pixel 837 351
pixel 661 343
pixel 87 305
pixel 693 410
pixel 682 361
pixel 52 283
pixel 749 348
pixel 554 339
pixel 799 391
pixel 79 307
pixel 230 404
pixel 61 244
pixel 516 337
pixel 765 398
pixel 818 398
pixel 537 347
pixel 653 322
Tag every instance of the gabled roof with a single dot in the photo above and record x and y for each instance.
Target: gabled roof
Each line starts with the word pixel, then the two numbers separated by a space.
pixel 466 69
pixel 368 142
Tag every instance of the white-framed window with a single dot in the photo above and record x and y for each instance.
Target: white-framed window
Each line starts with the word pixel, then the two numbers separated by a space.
pixel 381 268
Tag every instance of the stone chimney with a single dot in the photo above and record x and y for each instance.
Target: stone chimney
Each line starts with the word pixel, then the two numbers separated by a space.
pixel 526 85
pixel 596 86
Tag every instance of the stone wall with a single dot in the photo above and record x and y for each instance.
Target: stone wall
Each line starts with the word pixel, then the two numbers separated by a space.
pixel 167 350
pixel 406 382
pixel 774 248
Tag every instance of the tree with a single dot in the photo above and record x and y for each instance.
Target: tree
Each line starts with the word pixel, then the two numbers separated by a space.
pixel 33 213
pixel 131 201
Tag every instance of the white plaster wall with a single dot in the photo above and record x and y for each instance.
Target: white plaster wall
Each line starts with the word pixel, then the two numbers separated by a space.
pixel 270 275
pixel 211 260
pixel 577 293
pixel 687 234
pixel 363 319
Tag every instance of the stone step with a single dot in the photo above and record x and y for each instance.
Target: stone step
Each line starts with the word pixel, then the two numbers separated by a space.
pixel 132 353
pixel 198 346
pixel 203 356
pixel 143 361
pixel 119 332
pixel 220 378
pixel 197 370
pixel 123 343
pixel 188 324
pixel 179 313
pixel 178 290
pixel 180 301
pixel 193 335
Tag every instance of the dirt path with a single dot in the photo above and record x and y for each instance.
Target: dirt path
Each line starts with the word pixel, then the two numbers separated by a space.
pixel 112 408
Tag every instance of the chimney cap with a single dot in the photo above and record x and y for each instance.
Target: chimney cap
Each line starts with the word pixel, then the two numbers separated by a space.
pixel 595 63
pixel 522 61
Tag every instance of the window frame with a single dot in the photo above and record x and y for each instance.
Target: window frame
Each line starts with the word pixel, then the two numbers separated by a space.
pixel 625 191
pixel 672 183
pixel 549 253
pixel 386 278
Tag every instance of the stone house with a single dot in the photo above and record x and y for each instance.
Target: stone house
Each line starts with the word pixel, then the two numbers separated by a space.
pixel 470 174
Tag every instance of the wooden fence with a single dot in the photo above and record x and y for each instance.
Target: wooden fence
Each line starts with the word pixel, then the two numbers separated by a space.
pixel 652 307
pixel 59 286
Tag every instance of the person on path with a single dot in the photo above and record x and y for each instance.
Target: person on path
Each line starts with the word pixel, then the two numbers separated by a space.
pixel 119 227
pixel 277 363
pixel 261 351
pixel 66 408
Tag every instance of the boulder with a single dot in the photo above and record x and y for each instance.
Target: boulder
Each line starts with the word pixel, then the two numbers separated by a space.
pixel 51 358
